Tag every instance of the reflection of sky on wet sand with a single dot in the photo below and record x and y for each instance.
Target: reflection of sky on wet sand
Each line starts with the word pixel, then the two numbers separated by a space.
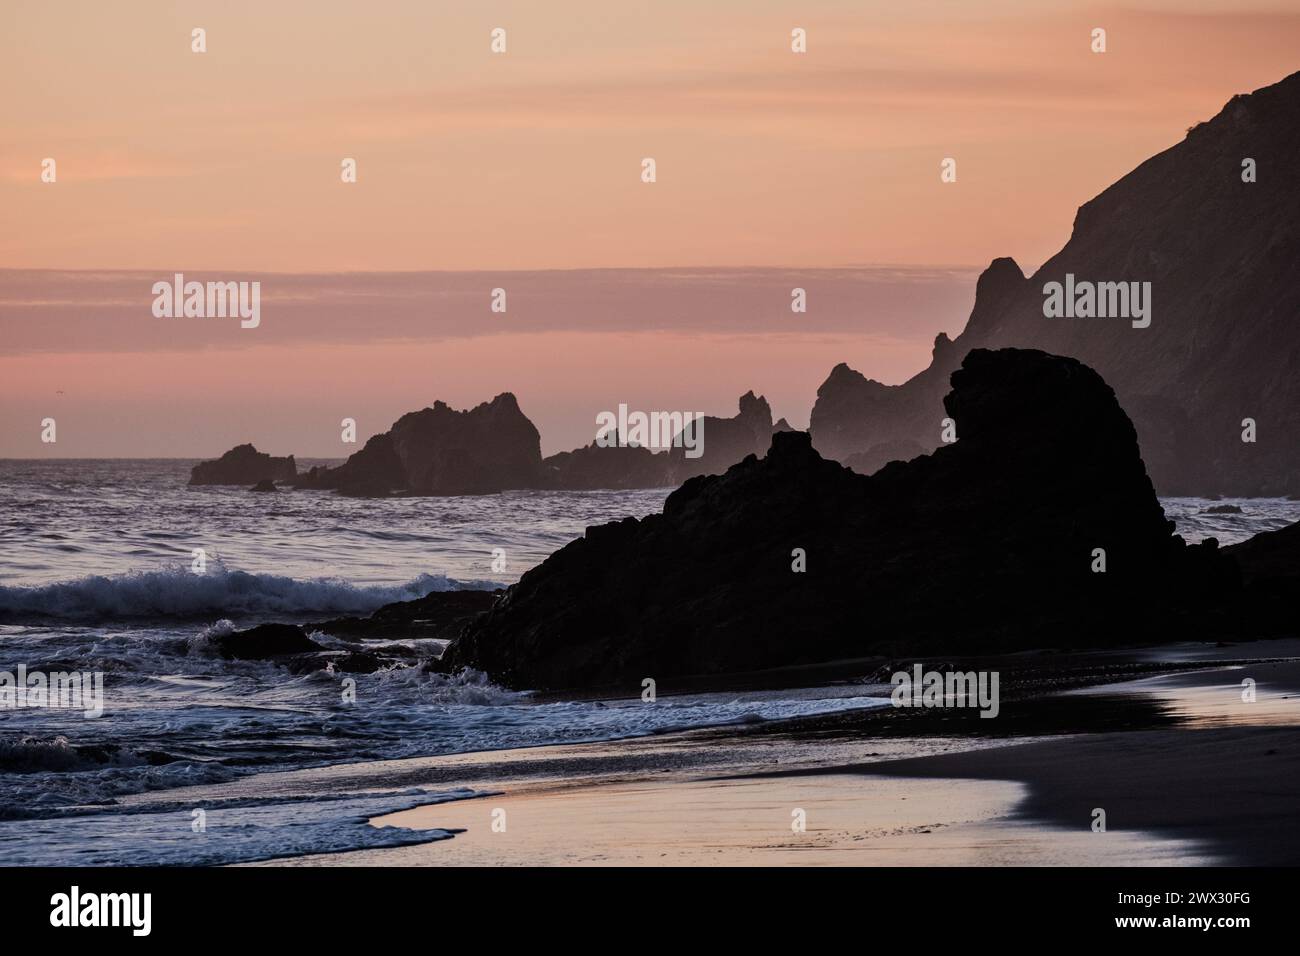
pixel 1215 698
pixel 851 821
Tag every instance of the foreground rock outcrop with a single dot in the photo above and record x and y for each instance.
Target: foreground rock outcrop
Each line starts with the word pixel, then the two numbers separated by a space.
pixel 243 465
pixel 986 544
pixel 1223 260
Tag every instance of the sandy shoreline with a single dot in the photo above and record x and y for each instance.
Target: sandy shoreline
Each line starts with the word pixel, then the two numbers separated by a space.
pixel 1188 774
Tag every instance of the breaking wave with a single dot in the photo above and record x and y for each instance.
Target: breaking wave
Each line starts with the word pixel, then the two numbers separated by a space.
pixel 177 592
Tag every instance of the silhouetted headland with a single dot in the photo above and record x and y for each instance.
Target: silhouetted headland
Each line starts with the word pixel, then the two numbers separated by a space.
pixel 1222 256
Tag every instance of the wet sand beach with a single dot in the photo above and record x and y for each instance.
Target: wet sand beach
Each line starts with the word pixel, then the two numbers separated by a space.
pixel 1186 771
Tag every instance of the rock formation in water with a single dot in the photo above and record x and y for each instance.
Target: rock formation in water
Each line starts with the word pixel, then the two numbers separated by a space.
pixel 362 645
pixel 726 440
pixel 264 642
pixel 1222 257
pixel 617 467
pixel 989 543
pixel 436 616
pixel 243 465
pixel 494 447
pixel 440 451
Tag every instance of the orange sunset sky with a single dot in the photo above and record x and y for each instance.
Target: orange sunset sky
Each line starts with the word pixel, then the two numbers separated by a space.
pixel 517 169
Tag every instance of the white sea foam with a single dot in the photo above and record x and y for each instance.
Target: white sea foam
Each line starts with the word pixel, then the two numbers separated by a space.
pixel 231 832
pixel 1197 518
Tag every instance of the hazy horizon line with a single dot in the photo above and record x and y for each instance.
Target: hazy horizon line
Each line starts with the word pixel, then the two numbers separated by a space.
pixel 852 266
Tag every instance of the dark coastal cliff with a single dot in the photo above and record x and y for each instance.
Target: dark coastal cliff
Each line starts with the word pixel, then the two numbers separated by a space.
pixel 1223 260
pixel 243 465
pixel 985 544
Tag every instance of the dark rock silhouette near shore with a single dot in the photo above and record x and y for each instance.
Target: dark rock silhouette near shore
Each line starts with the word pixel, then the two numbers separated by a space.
pixel 264 641
pixel 439 615
pixel 986 544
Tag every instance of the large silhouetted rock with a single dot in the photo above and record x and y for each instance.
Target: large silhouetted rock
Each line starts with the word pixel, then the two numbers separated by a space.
pixel 1223 259
pixel 243 465
pixel 440 451
pixel 390 637
pixel 376 470
pixel 986 544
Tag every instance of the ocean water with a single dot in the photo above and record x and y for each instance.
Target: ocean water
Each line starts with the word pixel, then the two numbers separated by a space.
pixel 95 575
